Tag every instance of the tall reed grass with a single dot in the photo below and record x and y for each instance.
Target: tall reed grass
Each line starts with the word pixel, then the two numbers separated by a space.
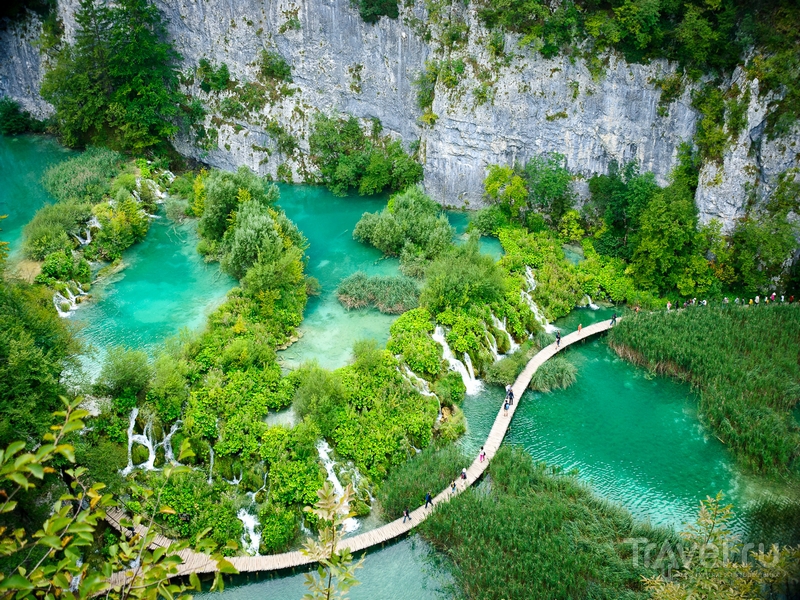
pixel 745 362
pixel 391 295
pixel 556 373
pixel 530 533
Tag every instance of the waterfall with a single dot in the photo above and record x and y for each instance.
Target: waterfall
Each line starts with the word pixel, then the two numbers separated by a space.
pixel 526 296
pixel 93 223
pixel 251 541
pixel 589 302
pixel 468 363
pixel 468 377
pixel 324 450
pixel 70 300
pixel 492 346
pixel 422 387
pixel 146 439
pixel 235 481
pixel 501 325
pixel 211 464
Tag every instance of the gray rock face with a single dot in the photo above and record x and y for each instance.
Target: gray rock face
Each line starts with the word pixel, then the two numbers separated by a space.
pixel 340 63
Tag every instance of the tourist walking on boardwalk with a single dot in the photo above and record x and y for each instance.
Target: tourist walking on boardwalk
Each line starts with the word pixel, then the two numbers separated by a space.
pixel 505 408
pixel 558 339
pixel 580 326
pixel 482 455
pixel 406 515
pixel 453 487
pixel 614 319
pixel 428 500
pixel 669 305
pixel 510 396
pixel 464 473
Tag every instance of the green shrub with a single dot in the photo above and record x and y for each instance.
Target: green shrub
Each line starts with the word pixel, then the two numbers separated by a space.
pixel 556 373
pixel 62 266
pixel 489 220
pixel 254 236
pixel 53 227
pixel 409 337
pixel 372 10
pixel 431 471
pixel 279 528
pixel 450 389
pixel 14 120
pixel 348 159
pixel 124 372
pixel 123 223
pixel 506 370
pixel 425 82
pixel 272 65
pixel 212 79
pixel 390 295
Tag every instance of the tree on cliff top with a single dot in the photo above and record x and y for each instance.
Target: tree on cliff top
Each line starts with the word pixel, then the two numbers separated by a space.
pixel 118 80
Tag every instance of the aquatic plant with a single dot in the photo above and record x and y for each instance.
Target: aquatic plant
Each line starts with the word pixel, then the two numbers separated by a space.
pixel 535 533
pixel 556 373
pixel 431 470
pixel 744 362
pixel 391 295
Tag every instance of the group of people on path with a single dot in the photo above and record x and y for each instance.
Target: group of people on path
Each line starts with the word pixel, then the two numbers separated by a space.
pixel 772 298
pixel 509 400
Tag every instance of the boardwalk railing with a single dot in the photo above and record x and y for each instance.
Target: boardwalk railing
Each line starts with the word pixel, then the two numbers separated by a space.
pixel 196 562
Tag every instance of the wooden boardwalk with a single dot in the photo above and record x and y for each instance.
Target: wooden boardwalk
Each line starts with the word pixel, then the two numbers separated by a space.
pixel 196 562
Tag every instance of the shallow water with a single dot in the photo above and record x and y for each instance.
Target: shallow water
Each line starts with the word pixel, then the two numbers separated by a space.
pixel 165 287
pixel 23 161
pixel 636 438
pixel 407 569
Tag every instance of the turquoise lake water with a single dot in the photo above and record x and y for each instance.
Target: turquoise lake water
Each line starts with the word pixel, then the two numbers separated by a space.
pixel 634 437
pixel 23 160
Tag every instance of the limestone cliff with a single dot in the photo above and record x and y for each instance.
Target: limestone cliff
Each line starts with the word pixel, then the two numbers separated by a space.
pixel 499 110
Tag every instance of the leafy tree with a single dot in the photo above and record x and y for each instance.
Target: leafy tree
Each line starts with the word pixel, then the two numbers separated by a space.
pixel 372 10
pixel 14 120
pixel 506 188
pixel 335 574
pixel 222 193
pixel 125 372
pixel 715 565
pixel 761 247
pixel 253 237
pixel 118 79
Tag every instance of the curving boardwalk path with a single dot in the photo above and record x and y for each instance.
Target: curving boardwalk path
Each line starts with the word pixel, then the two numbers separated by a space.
pixel 196 562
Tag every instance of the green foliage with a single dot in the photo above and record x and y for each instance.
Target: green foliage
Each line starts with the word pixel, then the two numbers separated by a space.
pixel 167 389
pixel 14 120
pixel 390 295
pixel 52 228
pixel 372 10
pixel 461 278
pixel 123 222
pixel 36 350
pixel 408 336
pixel 480 531
pixel 222 193
pixel 506 370
pixel 431 470
pixel 84 177
pixel 507 188
pixel 743 360
pixel 760 249
pixel 212 79
pixel 279 528
pixel 550 185
pixel 489 220
pixel 556 373
pixel 62 266
pixel 253 236
pixel 425 82
pixel 450 389
pixel 273 66
pixel 349 159
pixel 125 372
pixel 118 81
pixel 412 226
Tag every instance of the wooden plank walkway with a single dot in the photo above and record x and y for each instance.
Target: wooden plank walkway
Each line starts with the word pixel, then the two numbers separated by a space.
pixel 195 562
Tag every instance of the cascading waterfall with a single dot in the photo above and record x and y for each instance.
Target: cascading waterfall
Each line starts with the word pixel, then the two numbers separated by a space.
pixel 467 375
pixel 501 325
pixel 324 450
pixel 235 481
pixel 526 296
pixel 146 439
pixel 70 300
pixel 211 465
pixel 93 223
pixel 422 387
pixel 251 539
pixel 589 302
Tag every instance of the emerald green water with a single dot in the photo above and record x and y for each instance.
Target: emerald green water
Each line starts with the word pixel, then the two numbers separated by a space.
pixel 634 437
pixel 23 161
pixel 164 288
pixel 407 569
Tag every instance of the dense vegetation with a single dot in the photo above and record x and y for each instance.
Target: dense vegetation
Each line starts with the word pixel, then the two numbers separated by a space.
pixel 117 84
pixel 350 159
pixel 14 120
pixel 391 295
pixel 535 533
pixel 744 361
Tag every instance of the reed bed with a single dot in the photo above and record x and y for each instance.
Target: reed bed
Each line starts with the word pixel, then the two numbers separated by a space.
pixel 556 373
pixel 431 471
pixel 390 295
pixel 745 363
pixel 530 532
